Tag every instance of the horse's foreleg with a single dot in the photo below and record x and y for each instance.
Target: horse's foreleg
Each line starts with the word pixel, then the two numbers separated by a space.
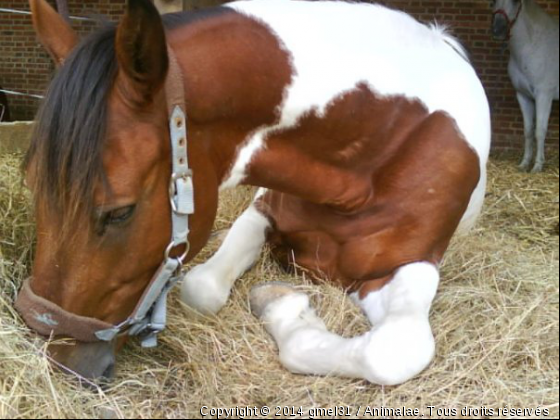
pixel 399 346
pixel 544 108
pixel 207 287
pixel 528 110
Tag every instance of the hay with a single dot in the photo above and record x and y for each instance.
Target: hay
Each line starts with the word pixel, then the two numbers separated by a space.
pixel 495 320
pixel 15 137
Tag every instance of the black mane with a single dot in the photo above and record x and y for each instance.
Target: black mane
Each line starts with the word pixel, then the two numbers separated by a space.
pixel 65 157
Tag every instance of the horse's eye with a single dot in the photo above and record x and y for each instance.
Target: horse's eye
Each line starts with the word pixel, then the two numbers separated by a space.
pixel 115 218
pixel 118 216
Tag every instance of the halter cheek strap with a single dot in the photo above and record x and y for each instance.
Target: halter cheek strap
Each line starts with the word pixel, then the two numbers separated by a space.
pixel 149 317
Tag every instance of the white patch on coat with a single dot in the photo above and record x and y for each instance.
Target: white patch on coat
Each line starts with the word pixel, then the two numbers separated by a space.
pixel 207 287
pixel 399 346
pixel 334 46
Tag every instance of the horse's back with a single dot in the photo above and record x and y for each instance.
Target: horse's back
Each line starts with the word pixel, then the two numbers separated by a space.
pixel 336 46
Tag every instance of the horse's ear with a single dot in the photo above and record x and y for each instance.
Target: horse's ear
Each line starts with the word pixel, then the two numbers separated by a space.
pixel 56 35
pixel 141 51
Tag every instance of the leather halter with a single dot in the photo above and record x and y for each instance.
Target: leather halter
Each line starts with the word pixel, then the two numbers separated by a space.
pixel 149 317
pixel 510 23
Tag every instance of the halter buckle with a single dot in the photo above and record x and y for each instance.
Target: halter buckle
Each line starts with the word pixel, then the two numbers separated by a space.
pixel 180 188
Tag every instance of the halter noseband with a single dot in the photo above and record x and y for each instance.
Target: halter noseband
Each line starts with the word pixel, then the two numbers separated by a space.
pixel 150 315
pixel 510 23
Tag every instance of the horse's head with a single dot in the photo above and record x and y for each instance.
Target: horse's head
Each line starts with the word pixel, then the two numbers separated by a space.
pixel 99 168
pixel 506 13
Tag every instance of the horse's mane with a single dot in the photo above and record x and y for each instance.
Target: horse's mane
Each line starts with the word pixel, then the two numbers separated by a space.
pixel 444 32
pixel 65 157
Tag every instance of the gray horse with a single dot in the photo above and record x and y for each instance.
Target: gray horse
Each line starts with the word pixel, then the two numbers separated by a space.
pixel 533 67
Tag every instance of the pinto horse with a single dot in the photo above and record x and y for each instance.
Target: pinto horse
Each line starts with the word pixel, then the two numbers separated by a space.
pixel 367 132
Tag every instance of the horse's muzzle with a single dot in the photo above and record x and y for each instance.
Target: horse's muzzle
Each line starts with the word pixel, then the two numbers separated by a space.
pixel 500 27
pixel 91 361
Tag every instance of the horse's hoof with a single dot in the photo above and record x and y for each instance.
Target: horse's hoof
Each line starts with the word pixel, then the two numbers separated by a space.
pixel 524 167
pixel 537 169
pixel 263 295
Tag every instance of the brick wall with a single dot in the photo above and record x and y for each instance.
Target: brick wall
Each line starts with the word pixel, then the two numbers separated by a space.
pixel 25 67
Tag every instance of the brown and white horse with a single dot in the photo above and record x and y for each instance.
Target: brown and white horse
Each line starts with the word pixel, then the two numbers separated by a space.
pixel 367 132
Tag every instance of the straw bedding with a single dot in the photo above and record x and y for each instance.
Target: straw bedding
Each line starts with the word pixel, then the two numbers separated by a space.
pixel 495 320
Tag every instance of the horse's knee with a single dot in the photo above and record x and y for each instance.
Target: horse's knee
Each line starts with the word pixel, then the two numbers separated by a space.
pixel 297 346
pixel 205 290
pixel 397 351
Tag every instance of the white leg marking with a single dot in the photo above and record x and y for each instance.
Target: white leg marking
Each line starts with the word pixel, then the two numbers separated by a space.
pixel 476 205
pixel 207 287
pixel 528 109
pixel 399 346
pixel 544 108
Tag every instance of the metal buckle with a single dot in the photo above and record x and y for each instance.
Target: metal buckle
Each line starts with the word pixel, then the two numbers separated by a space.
pixel 173 190
pixel 117 331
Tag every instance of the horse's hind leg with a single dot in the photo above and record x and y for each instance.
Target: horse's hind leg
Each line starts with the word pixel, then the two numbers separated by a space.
pixel 399 346
pixel 207 287
pixel 528 110
pixel 544 108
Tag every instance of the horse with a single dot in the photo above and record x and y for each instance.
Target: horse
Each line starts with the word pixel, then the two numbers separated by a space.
pixel 366 133
pixel 532 35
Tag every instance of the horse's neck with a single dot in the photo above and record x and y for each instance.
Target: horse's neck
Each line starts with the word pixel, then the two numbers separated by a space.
pixel 232 88
pixel 522 34
pixel 236 77
pixel 532 35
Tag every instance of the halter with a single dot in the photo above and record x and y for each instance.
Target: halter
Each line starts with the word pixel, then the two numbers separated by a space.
pixel 510 23
pixel 149 318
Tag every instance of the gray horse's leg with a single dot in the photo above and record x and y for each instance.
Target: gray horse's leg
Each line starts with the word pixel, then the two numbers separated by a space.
pixel 527 105
pixel 544 108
